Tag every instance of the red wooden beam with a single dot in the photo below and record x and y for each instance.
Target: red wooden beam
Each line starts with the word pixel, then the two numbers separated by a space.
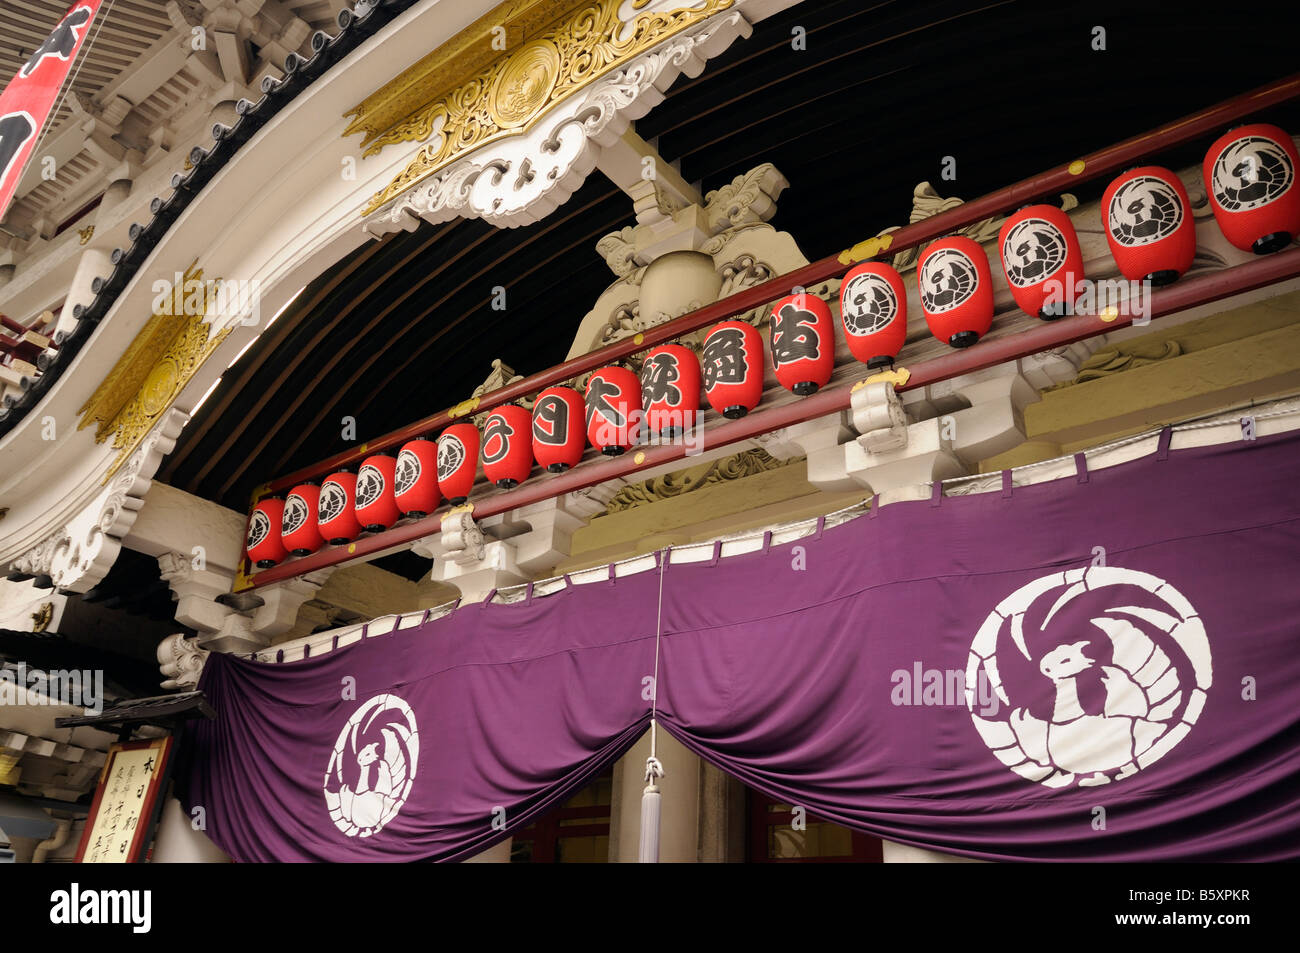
pixel 1110 160
pixel 1186 294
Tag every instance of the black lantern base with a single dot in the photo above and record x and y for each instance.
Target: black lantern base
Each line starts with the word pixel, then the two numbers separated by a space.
pixel 507 484
pixel 557 467
pixel 1274 241
pixel 265 563
pixel 963 339
pixel 735 411
pixel 457 500
pixel 880 360
pixel 415 514
pixel 1053 311
pixel 375 528
pixel 805 388
pixel 671 432
pixel 612 451
pixel 339 541
pixel 302 552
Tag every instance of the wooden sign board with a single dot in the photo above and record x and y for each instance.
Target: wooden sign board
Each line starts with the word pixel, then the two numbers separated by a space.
pixel 118 826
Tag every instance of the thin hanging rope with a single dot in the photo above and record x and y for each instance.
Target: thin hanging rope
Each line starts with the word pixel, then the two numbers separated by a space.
pixel 81 61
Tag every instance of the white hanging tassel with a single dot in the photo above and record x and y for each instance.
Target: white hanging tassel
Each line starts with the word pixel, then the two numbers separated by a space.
pixel 648 852
pixel 650 805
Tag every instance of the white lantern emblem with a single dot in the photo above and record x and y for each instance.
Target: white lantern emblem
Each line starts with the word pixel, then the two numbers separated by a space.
pixel 370 485
pixel 408 471
pixel 295 514
pixel 1143 210
pixel 868 304
pixel 1250 172
pixel 1034 250
pixel 948 279
pixel 333 500
pixel 451 452
pixel 258 529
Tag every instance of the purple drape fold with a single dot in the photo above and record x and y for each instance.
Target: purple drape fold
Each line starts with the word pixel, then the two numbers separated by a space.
pixel 1090 670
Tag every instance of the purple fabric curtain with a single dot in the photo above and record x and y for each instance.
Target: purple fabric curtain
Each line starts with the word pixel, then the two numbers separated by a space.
pixel 1103 667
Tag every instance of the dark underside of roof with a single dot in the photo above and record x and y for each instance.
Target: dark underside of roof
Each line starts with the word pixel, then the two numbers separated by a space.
pixel 883 92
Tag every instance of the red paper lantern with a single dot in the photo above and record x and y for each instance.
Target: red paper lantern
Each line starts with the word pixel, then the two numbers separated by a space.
pixel 264 545
pixel 803 343
pixel 508 446
pixel 1149 226
pixel 376 482
pixel 298 528
pixel 613 409
pixel 732 362
pixel 559 436
pixel 336 511
pixel 956 289
pixel 670 389
pixel 415 488
pixel 1042 261
pixel 457 462
pixel 873 312
pixel 1250 176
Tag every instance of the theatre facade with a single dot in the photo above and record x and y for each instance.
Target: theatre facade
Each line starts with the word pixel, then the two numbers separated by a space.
pixel 649 429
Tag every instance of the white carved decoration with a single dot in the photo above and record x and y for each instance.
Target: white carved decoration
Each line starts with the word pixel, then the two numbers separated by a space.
pixel 462 540
pixel 877 413
pixel 746 200
pixel 522 179
pixel 730 228
pixel 181 662
pixel 80 554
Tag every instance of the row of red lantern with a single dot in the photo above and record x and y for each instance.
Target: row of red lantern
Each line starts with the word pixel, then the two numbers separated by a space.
pixel 1249 174
pixel 617 405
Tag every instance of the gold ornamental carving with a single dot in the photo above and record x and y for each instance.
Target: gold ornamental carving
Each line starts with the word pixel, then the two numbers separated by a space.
pixel 157 365
pixel 525 85
pixel 466 54
pixel 505 96
pixel 670 485
pixel 42 617
pixel 1110 361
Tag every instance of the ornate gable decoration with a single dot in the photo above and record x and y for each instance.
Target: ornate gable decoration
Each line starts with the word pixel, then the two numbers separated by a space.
pixel 157 365
pixel 547 58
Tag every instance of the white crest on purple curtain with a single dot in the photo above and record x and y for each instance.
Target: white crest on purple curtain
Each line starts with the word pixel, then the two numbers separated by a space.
pixel 1111 699
pixel 372 767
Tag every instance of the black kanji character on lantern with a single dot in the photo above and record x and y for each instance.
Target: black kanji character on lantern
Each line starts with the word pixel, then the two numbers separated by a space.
pixel 658 378
pixel 723 358
pixel 61 42
pixel 551 421
pixel 497 432
pixel 599 391
pixel 16 130
pixel 794 335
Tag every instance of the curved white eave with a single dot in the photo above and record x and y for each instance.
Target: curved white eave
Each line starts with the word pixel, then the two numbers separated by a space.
pixel 300 217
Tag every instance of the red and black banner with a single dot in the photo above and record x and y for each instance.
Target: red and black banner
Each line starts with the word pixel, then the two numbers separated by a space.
pixel 27 101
